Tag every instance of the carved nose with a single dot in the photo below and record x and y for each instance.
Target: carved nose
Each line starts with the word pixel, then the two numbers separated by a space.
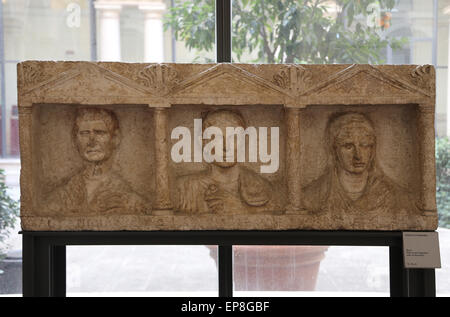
pixel 357 154
pixel 91 139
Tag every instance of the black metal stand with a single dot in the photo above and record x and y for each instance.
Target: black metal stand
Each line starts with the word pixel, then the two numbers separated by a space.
pixel 44 254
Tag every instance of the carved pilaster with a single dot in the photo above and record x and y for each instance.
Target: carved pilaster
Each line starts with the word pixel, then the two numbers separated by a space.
pixel 293 167
pixel 426 135
pixel 26 145
pixel 162 194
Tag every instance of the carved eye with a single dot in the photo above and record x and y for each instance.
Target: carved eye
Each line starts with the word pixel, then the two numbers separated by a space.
pixel 348 146
pixel 100 132
pixel 84 132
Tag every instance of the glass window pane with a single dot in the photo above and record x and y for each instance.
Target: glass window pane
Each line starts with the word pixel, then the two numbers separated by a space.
pixel 322 32
pixel 131 31
pixel 311 271
pixel 190 31
pixel 443 274
pixel 47 30
pixel 141 271
pixel 375 32
pixel 12 113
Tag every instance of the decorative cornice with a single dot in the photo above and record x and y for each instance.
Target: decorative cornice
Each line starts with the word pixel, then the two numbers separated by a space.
pixel 159 78
pixel 294 78
pixel 336 79
pixel 166 80
pixel 233 70
pixel 423 77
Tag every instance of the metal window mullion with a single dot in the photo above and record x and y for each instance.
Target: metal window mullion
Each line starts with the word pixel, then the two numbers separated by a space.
pixel 223 55
pixel 223 31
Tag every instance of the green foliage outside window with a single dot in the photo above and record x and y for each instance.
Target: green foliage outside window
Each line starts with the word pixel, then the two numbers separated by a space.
pixel 9 211
pixel 443 181
pixel 292 31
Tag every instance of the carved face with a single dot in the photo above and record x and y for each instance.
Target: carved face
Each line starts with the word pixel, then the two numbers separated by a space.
pixel 222 120
pixel 355 149
pixel 94 141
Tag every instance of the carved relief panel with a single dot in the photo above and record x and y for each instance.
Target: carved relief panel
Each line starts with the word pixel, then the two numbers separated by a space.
pixel 363 164
pixel 116 146
pixel 231 187
pixel 89 161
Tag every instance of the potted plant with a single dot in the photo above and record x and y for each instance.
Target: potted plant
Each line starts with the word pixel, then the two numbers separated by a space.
pixel 9 211
pixel 275 268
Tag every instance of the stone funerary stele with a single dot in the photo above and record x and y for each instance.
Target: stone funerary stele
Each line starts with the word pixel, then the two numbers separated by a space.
pixel 355 150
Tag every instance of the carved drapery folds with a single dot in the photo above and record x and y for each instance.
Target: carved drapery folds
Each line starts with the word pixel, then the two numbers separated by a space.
pixel 356 146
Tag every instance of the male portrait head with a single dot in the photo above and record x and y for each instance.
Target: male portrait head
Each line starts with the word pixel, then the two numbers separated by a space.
pixel 97 188
pixel 96 134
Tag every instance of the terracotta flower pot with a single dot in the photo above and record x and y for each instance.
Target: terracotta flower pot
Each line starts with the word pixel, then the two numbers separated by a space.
pixel 275 268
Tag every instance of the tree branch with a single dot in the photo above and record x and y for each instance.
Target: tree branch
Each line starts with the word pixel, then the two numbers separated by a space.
pixel 270 54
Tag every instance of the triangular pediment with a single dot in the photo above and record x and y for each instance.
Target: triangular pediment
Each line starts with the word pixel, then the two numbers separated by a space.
pixel 363 80
pixel 85 79
pixel 227 80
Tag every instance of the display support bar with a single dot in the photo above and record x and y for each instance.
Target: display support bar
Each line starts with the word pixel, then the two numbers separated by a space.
pixel 44 261
pixel 58 270
pixel 225 269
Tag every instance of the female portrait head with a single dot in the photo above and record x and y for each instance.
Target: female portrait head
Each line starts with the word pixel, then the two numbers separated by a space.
pixel 351 142
pixel 222 119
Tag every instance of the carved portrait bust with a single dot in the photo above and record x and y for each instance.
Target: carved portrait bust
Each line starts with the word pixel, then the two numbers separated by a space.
pixel 97 188
pixel 354 183
pixel 226 187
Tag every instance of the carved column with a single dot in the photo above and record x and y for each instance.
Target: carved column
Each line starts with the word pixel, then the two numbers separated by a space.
pixel 293 168
pixel 162 203
pixel 109 20
pixel 26 153
pixel 153 35
pixel 426 134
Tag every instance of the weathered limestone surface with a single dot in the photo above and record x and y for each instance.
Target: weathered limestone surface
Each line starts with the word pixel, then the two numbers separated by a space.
pixel 356 146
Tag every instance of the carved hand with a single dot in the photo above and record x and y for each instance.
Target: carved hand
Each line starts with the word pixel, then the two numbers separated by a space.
pixel 108 201
pixel 219 200
pixel 214 198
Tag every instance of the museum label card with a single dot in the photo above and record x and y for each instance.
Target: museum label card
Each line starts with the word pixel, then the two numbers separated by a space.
pixel 421 250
